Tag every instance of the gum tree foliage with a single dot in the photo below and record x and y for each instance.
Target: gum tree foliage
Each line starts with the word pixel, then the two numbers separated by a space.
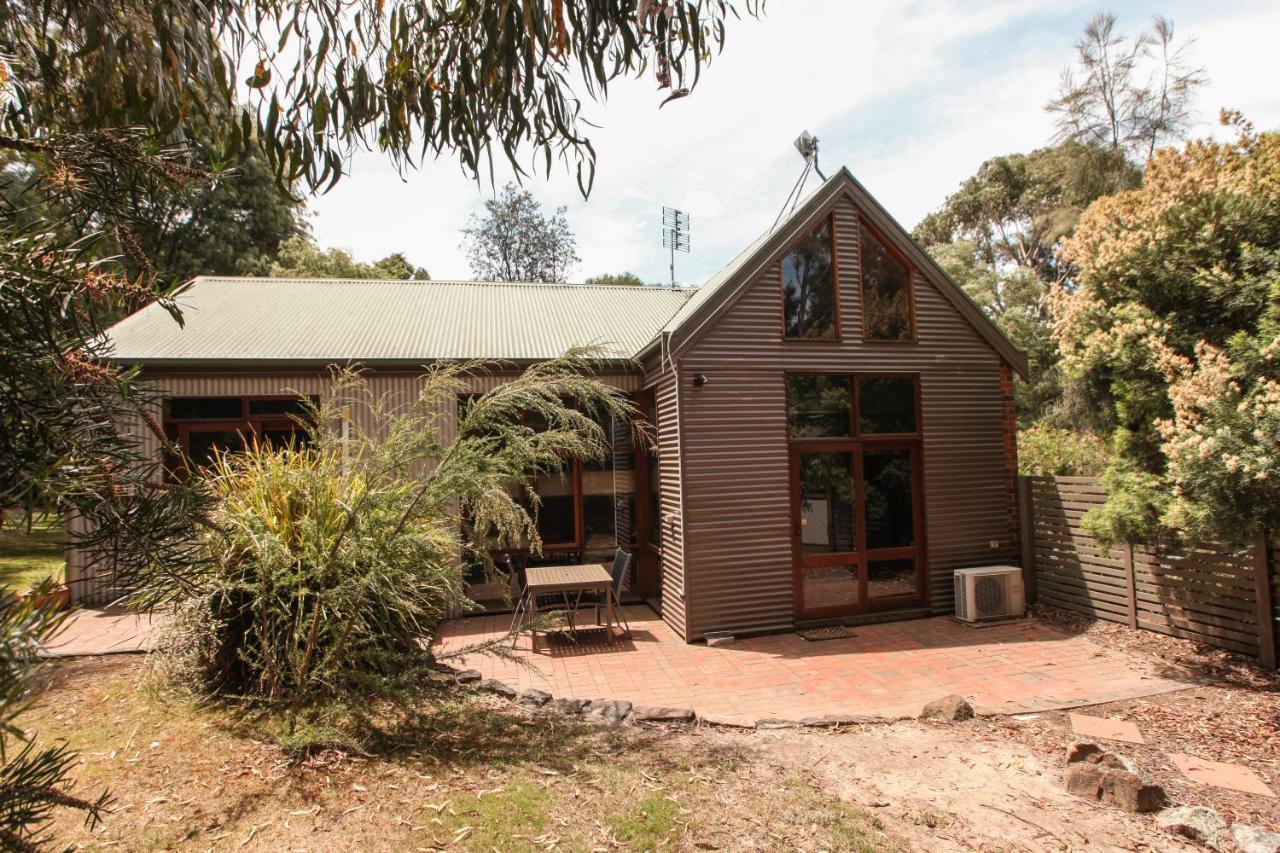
pixel 1129 94
pixel 326 565
pixel 300 257
pixel 107 102
pixel 997 237
pixel 515 241
pixel 1176 324
pixel 626 279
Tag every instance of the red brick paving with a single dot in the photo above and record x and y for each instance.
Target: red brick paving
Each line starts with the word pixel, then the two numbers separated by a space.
pixel 104 631
pixel 885 670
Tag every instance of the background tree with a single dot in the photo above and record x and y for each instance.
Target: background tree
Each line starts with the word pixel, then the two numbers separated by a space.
pixel 1127 94
pixel 514 241
pixel 1176 323
pixel 997 237
pixel 628 279
pixel 300 257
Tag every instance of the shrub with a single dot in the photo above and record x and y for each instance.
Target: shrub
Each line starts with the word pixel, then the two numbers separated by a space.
pixel 1056 452
pixel 327 564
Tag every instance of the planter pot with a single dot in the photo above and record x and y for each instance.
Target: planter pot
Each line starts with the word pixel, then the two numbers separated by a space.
pixel 58 598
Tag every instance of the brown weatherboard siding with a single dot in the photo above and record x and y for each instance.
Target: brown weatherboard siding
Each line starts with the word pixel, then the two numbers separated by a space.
pixel 737 545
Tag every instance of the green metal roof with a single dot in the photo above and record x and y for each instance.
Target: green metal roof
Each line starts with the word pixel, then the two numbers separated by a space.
pixel 319 321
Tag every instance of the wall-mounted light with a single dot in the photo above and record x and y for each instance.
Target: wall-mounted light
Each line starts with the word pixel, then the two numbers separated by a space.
pixel 699 379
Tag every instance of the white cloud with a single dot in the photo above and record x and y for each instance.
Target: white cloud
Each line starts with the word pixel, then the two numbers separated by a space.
pixel 911 97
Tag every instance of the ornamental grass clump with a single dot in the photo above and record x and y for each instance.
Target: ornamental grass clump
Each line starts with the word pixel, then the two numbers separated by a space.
pixel 329 564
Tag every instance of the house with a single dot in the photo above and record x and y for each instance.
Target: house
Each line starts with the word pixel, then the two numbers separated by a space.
pixel 834 417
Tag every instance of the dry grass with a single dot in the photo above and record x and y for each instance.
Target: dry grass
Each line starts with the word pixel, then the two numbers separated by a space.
pixel 467 774
pixel 26 558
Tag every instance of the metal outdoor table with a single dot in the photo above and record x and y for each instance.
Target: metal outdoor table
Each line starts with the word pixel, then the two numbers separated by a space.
pixel 563 580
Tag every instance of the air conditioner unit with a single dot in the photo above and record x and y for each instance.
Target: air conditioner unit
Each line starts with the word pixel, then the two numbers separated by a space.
pixel 989 592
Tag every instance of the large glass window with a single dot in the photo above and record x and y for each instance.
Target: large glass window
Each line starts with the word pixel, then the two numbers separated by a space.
pixel 826 503
pixel 203 426
pixel 818 405
pixel 887 490
pixel 886 404
pixel 886 290
pixel 809 288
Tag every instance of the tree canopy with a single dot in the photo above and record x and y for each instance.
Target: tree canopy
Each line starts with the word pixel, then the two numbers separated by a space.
pixel 1127 94
pixel 515 241
pixel 300 257
pixel 1176 322
pixel 627 279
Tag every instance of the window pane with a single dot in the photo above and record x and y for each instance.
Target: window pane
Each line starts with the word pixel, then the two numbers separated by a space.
pixel 808 288
pixel 826 503
pixel 278 438
pixel 886 578
pixel 886 405
pixel 829 586
pixel 886 282
pixel 202 443
pixel 555 520
pixel 607 522
pixel 887 490
pixel 619 445
pixel 295 406
pixel 818 405
pixel 204 408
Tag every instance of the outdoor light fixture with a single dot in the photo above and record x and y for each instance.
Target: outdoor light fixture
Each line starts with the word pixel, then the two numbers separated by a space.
pixel 699 379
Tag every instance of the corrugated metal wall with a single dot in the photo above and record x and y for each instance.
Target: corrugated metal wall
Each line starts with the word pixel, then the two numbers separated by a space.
pixel 396 387
pixel 671 522
pixel 737 491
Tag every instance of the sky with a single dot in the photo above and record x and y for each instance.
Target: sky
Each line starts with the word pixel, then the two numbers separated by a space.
pixel 911 97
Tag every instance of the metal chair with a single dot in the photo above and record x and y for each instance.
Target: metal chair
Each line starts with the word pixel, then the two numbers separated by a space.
pixel 618 573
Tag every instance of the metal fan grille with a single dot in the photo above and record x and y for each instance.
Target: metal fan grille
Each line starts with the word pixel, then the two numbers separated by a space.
pixel 962 604
pixel 989 596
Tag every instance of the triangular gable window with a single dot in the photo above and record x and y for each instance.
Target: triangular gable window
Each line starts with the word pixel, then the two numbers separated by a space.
pixel 886 289
pixel 809 288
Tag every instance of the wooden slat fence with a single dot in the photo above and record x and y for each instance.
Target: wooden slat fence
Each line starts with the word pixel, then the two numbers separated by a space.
pixel 1215 595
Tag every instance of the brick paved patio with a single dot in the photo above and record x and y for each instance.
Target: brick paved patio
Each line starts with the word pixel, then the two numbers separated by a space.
pixel 890 670
pixel 104 631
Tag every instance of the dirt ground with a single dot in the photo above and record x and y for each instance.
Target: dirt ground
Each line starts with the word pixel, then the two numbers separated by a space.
pixel 477 774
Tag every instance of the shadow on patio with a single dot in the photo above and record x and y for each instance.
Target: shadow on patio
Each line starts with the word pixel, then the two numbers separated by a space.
pixel 887 670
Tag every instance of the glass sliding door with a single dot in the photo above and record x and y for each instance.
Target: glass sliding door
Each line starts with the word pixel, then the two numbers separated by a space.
pixel 827 530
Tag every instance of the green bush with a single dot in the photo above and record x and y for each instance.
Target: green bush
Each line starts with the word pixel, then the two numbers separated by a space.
pixel 328 564
pixel 1056 452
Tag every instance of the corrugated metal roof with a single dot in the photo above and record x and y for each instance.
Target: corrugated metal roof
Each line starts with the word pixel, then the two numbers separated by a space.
pixel 231 320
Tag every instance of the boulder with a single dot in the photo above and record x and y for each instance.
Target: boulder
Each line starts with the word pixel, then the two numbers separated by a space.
pixel 468 676
pixel 658 714
pixel 495 686
pixel 614 710
pixel 570 707
pixel 1251 839
pixel 1110 778
pixel 950 709
pixel 1083 751
pixel 534 697
pixel 1198 823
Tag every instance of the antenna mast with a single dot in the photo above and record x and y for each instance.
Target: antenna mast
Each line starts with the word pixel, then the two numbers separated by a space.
pixel 675 235
pixel 807 144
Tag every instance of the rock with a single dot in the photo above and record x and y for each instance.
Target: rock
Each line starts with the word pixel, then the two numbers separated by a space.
pixel 1084 779
pixel 468 676
pixel 1198 823
pixel 1251 839
pixel 1083 751
pixel 1127 790
pixel 950 709
pixel 658 714
pixel 1110 783
pixel 614 710
pixel 536 698
pixel 493 685
pixel 774 723
pixel 570 707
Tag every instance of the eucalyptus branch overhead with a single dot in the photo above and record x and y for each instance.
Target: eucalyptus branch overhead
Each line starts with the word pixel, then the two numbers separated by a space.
pixel 317 80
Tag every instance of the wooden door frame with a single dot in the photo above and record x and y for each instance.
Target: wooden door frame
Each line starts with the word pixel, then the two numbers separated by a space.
pixel 862 556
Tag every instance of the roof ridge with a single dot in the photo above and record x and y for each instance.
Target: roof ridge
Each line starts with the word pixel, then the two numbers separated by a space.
pixel 264 279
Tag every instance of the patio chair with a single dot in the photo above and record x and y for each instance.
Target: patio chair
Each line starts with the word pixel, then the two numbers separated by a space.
pixel 618 572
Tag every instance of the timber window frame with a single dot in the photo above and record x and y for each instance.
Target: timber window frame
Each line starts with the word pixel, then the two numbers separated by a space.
pixel 182 419
pixel 827 223
pixel 865 230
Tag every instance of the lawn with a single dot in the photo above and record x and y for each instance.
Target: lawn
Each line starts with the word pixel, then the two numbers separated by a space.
pixel 28 558
pixel 464 773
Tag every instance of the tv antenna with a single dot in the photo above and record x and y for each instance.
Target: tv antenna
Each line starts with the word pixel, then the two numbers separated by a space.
pixel 807 144
pixel 675 235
